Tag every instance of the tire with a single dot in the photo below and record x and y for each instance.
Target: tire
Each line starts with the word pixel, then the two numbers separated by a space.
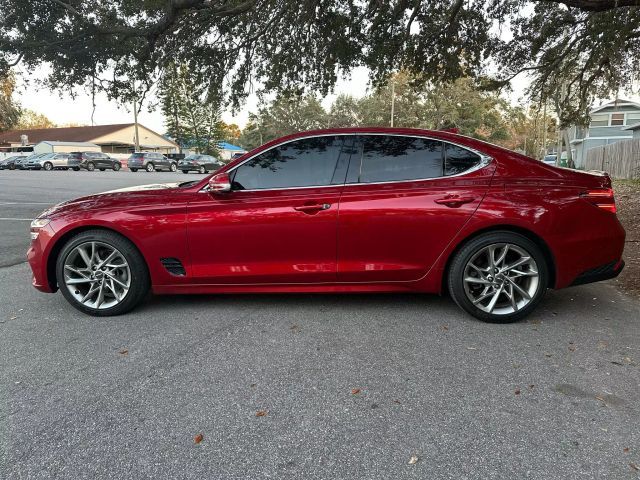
pixel 185 171
pixel 12 167
pixel 134 169
pixel 76 169
pixel 90 167
pixel 138 276
pixel 173 167
pixel 116 167
pixel 467 282
pixel 102 169
pixel 48 166
pixel 150 167
pixel 201 169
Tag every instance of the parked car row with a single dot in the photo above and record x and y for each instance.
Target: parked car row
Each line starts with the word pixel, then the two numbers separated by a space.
pixel 149 161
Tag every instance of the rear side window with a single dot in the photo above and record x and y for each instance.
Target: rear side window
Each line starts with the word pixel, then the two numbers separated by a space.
pixel 458 160
pixel 395 158
pixel 301 163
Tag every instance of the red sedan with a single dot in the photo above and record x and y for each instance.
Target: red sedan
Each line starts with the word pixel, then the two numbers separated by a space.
pixel 341 210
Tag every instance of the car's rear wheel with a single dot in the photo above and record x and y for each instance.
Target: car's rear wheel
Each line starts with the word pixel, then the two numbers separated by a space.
pixel 498 277
pixel 134 169
pixel 150 167
pixel 76 169
pixel 116 167
pixel 91 167
pixel 102 169
pixel 48 166
pixel 102 273
pixel 173 167
pixel 201 169
pixel 185 171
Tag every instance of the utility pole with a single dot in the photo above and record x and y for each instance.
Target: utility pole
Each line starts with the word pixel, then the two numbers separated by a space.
pixel 393 99
pixel 135 119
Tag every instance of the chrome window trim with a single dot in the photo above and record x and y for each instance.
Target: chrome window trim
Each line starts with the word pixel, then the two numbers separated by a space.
pixel 484 161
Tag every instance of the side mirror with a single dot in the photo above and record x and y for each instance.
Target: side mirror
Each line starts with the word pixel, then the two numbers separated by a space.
pixel 220 183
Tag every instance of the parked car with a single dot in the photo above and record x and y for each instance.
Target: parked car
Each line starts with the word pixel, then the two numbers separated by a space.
pixel 49 161
pixel 150 161
pixel 419 210
pixel 550 159
pixel 30 162
pixel 92 160
pixel 199 163
pixel 9 163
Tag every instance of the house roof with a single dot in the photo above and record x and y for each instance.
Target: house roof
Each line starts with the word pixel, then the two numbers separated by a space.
pixel 228 146
pixel 64 134
pixel 616 103
pixel 635 126
pixel 72 144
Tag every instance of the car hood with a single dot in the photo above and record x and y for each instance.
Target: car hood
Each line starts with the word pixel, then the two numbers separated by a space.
pixel 113 199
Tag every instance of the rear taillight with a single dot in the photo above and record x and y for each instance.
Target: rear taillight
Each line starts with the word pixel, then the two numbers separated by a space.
pixel 602 198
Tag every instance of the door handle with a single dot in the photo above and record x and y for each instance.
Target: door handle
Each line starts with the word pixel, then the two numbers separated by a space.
pixel 313 208
pixel 454 201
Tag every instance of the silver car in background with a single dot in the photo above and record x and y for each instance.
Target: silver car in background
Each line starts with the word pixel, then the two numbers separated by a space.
pixel 48 161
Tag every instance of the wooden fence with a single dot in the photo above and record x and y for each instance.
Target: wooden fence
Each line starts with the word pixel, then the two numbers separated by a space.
pixel 620 159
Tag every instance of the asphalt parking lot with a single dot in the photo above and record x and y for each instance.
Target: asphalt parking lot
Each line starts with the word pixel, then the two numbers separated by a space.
pixel 305 386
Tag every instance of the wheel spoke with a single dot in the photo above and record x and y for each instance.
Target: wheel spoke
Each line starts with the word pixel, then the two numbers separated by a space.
pixel 522 292
pixel 503 255
pixel 517 263
pixel 76 281
pixel 494 300
pixel 512 297
pixel 85 256
pixel 480 281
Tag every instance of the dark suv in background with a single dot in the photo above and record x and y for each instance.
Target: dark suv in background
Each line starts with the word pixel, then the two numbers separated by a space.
pixel 151 161
pixel 199 163
pixel 92 160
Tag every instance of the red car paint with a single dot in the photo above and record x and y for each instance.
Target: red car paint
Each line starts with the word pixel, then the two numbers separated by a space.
pixel 373 237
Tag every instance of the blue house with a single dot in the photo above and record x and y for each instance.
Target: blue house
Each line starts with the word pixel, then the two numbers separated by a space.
pixel 608 125
pixel 227 150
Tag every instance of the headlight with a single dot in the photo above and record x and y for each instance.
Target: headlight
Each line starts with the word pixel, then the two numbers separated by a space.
pixel 36 225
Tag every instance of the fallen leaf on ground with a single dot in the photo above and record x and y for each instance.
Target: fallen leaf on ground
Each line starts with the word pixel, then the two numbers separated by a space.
pixel 261 413
pixel 374 405
pixel 625 450
pixel 396 402
pixel 471 348
pixel 517 392
pixel 355 391
pixel 198 438
pixel 444 327
pixel 531 386
pixel 598 397
pixel 124 352
pixel 634 467
pixel 413 460
pixel 295 328
pixel 12 318
pixel 617 363
pixel 572 348
pixel 253 385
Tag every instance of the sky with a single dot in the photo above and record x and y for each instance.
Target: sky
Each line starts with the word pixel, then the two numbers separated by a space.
pixel 64 109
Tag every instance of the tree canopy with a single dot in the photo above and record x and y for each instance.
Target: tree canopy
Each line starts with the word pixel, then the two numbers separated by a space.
pixel 458 104
pixel 573 49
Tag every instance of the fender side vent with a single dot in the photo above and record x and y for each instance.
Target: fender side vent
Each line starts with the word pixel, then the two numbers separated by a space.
pixel 173 266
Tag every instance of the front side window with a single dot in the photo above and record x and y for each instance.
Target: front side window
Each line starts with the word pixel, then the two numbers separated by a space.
pixel 395 158
pixel 301 163
pixel 458 160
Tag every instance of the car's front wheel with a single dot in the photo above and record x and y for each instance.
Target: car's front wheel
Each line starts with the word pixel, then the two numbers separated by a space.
pixel 150 167
pixel 102 273
pixel 173 167
pixel 116 167
pixel 498 277
pixel 48 166
pixel 91 167
pixel 133 169
pixel 201 169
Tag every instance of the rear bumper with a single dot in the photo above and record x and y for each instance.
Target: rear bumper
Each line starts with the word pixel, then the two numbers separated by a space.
pixel 598 274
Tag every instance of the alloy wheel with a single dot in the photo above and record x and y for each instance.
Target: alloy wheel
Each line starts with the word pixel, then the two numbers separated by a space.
pixel 501 278
pixel 97 275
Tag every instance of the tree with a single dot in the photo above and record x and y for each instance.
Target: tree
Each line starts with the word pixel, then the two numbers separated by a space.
pixel 192 115
pixel 30 119
pixel 230 132
pixel 9 110
pixel 283 116
pixel 295 47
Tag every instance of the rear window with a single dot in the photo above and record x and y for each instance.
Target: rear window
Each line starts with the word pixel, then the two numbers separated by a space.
pixel 137 155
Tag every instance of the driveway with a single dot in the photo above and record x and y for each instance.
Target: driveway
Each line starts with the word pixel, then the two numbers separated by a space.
pixel 309 386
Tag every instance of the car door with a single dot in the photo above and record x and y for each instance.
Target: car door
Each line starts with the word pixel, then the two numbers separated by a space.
pixel 404 200
pixel 60 160
pixel 278 224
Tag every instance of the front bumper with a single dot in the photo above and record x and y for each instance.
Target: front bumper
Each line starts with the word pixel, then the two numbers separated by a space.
pixel 37 256
pixel 189 167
